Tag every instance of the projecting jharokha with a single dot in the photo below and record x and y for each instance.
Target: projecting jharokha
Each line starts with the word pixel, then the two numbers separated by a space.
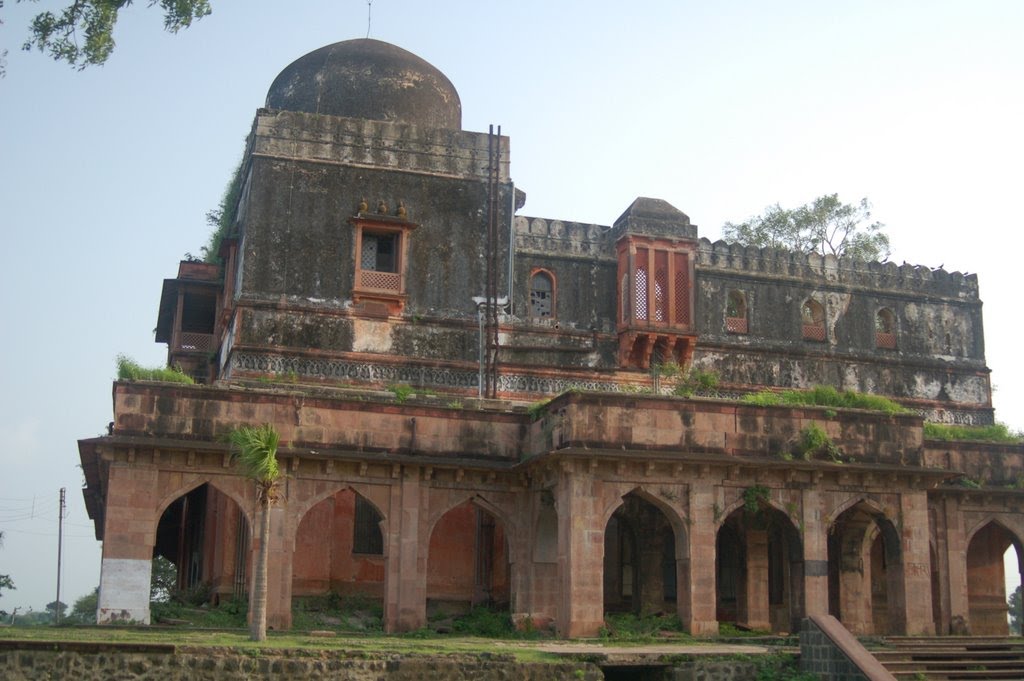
pixel 382 302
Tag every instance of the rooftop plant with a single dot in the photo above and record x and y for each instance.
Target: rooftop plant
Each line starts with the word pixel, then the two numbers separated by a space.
pixel 826 396
pixel 997 432
pixel 130 370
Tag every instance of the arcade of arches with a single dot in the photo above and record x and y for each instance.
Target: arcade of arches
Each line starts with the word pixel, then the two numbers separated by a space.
pixel 565 536
pixel 762 568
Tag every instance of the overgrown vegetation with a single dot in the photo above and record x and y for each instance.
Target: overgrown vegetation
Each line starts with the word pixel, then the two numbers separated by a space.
pixel 781 668
pixel 401 391
pixel 814 441
pixel 631 627
pixel 995 433
pixel 333 611
pixel 130 370
pixel 695 379
pixel 222 218
pixel 826 396
pixel 755 499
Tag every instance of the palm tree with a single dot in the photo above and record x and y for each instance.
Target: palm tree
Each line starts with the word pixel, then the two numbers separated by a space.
pixel 256 452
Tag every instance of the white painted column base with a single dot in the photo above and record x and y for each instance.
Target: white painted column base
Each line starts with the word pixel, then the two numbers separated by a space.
pixel 124 591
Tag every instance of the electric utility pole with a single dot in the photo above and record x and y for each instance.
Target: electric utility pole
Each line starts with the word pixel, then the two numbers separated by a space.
pixel 60 546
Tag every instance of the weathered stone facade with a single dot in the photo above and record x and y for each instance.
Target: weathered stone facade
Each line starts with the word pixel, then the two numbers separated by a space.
pixel 359 261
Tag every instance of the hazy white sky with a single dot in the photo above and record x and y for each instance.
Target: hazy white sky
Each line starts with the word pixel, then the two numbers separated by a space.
pixel 719 108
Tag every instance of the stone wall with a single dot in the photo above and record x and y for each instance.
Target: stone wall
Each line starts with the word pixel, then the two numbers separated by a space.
pixel 28 661
pixel 830 651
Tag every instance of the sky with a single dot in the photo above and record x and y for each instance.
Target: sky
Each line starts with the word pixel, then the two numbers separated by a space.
pixel 721 109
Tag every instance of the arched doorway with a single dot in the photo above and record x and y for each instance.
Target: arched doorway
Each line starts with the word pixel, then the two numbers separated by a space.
pixel 339 552
pixel 640 559
pixel 759 570
pixel 205 535
pixel 467 562
pixel 865 572
pixel 986 579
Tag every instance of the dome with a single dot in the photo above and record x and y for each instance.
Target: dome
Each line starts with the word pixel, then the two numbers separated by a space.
pixel 368 79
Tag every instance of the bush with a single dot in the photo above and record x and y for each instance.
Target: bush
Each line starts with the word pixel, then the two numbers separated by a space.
pixel 826 396
pixel 484 622
pixel 995 433
pixel 694 380
pixel 130 370
pixel 814 440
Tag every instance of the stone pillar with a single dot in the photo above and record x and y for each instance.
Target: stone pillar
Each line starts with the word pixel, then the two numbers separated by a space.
pixel 700 589
pixel 757 613
pixel 279 567
pixel 405 576
pixel 917 588
pixel 535 575
pixel 815 540
pixel 581 556
pixel 954 581
pixel 129 534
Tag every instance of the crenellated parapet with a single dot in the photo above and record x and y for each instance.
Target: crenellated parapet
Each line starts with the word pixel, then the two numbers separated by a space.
pixel 848 272
pixel 563 238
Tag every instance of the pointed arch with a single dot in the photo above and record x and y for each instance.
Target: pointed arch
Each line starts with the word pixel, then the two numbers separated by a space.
pixel 241 498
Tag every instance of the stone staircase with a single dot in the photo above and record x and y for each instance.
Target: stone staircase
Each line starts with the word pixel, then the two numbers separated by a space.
pixel 952 658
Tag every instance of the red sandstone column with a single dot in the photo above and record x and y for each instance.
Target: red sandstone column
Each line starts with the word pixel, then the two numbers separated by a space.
pixel 815 539
pixel 129 534
pixel 405 577
pixel 757 580
pixel 700 589
pixel 581 557
pixel 917 588
pixel 279 567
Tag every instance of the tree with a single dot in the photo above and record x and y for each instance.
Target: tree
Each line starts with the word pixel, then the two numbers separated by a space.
pixel 164 580
pixel 256 453
pixel 1014 604
pixel 825 225
pixel 84 609
pixel 56 610
pixel 5 580
pixel 57 33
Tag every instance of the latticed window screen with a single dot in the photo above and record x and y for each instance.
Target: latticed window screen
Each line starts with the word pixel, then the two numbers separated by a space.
pixel 378 252
pixel 661 296
pixel 366 534
pixel 682 298
pixel 640 293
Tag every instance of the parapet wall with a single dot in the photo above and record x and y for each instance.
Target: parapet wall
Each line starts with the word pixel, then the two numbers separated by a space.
pixel 773 262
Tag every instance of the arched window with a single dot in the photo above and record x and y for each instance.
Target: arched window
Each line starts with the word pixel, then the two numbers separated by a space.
pixel 542 295
pixel 885 329
pixel 366 535
pixel 736 312
pixel 812 317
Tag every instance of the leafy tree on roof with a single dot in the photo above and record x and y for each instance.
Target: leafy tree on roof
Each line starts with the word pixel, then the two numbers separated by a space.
pixel 825 225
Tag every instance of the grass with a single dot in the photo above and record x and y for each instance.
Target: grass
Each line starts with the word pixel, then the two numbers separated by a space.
pixel 995 433
pixel 130 370
pixel 826 396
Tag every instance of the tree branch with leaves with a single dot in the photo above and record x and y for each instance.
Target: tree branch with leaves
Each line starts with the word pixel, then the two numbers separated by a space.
pixel 82 33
